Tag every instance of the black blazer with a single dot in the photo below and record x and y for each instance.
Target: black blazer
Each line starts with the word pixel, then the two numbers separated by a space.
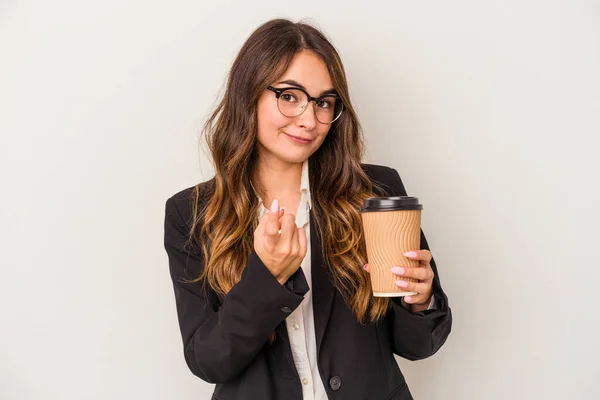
pixel 226 342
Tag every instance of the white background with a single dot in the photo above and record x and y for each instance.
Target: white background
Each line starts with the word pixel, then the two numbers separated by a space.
pixel 489 110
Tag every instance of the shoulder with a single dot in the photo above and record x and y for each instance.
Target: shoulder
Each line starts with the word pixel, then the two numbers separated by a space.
pixel 386 178
pixel 181 204
pixel 378 171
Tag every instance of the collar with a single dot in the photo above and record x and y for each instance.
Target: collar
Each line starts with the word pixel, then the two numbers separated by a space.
pixel 305 184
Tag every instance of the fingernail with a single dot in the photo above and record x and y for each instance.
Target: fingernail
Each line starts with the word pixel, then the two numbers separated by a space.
pixel 408 299
pixel 275 206
pixel 366 266
pixel 410 254
pixel 402 283
pixel 398 270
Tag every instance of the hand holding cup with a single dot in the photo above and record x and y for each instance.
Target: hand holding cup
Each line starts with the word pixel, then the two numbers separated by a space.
pixel 421 278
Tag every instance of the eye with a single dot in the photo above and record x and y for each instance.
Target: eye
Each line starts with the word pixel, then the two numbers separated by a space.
pixel 327 102
pixel 288 97
pixel 323 104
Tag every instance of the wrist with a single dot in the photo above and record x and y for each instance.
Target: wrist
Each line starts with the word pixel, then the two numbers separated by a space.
pixel 424 306
pixel 282 279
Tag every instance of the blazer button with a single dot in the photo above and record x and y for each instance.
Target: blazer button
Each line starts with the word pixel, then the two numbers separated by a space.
pixel 286 310
pixel 335 383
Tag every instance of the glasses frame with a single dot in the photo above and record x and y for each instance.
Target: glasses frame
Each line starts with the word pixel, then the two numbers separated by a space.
pixel 279 91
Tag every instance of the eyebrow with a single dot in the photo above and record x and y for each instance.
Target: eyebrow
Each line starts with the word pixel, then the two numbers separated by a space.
pixel 294 83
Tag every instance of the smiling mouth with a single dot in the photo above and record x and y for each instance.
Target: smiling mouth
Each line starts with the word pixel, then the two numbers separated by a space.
pixel 299 138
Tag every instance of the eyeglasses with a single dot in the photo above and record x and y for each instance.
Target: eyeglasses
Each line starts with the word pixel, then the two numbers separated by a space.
pixel 292 102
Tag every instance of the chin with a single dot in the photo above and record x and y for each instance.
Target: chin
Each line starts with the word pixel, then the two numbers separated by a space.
pixel 293 158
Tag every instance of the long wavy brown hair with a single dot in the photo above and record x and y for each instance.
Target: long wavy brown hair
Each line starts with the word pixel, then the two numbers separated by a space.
pixel 225 208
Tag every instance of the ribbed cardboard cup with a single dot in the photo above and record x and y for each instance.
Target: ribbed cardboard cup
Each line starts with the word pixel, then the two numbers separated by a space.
pixel 392 227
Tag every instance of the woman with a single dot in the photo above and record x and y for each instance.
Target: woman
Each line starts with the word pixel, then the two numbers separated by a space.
pixel 268 257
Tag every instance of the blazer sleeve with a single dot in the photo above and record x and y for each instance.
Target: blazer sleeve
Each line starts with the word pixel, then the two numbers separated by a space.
pixel 221 338
pixel 419 335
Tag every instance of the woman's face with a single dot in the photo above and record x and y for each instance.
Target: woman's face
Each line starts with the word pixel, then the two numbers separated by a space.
pixel 276 131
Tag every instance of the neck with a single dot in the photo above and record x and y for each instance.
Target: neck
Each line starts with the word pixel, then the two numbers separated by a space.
pixel 277 179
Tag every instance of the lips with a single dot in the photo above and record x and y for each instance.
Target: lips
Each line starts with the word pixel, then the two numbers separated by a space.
pixel 299 138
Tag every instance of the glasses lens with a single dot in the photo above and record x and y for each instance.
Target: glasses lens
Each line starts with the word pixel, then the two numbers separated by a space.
pixel 292 102
pixel 328 109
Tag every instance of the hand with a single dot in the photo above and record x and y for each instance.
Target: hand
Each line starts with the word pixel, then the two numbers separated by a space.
pixel 282 253
pixel 423 273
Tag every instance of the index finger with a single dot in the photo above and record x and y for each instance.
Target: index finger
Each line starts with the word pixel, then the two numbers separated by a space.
pixel 264 220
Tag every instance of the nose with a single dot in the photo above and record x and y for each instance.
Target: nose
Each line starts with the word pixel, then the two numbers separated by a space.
pixel 307 119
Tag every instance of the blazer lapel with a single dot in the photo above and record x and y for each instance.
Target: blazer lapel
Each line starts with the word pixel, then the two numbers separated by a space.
pixel 322 289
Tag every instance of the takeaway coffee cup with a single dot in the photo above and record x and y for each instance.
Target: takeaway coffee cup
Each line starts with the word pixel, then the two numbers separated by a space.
pixel 392 227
